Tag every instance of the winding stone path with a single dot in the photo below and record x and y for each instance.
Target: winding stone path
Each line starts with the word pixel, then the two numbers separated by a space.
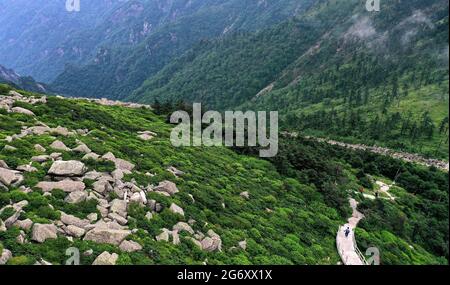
pixel 346 246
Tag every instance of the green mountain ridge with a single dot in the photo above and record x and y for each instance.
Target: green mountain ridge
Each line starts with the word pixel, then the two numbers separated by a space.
pixel 363 71
pixel 282 211
pixel 118 70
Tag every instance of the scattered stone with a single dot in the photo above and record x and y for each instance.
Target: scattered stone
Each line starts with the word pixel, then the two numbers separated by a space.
pixel 65 185
pixel 83 149
pixel 9 148
pixel 130 246
pixel 117 174
pixel 109 156
pixel 41 158
pixel 9 177
pixel 2 226
pixel 67 168
pixel 196 242
pixel 123 164
pixel 88 252
pixel 92 156
pixel 146 135
pixel 212 243
pixel 175 238
pixel 167 187
pixel 3 164
pixel 243 244
pixel 175 171
pixel 245 195
pixel 27 168
pixel 5 256
pixel 106 258
pixel 59 145
pixel 137 198
pixel 149 216
pixel 42 232
pixel 76 197
pixel 24 225
pixel 182 226
pixel 92 217
pixel 102 234
pixel 164 236
pixel 62 131
pixel 74 221
pixel 102 186
pixel 103 211
pixel 39 148
pixel 174 208
pixel 21 110
pixel 119 207
pixel 118 218
pixel 75 231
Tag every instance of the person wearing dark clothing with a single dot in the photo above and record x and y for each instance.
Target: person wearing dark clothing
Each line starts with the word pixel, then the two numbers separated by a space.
pixel 347 231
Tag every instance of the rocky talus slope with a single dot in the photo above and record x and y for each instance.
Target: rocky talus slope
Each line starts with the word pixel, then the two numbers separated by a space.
pixel 107 225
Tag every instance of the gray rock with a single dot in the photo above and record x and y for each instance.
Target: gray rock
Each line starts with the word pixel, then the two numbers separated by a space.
pixel 41 158
pixel 130 246
pixel 82 148
pixel 76 197
pixel 8 177
pixel 91 155
pixel 106 258
pixel 74 221
pixel 167 187
pixel 92 217
pixel 24 225
pixel 107 235
pixel 182 226
pixel 39 148
pixel 118 218
pixel 3 164
pixel 59 145
pixel 119 207
pixel 245 195
pixel 42 232
pixel 21 110
pixel 164 236
pixel 174 208
pixel 9 148
pixel 67 168
pixel 212 243
pixel 102 186
pixel 243 244
pixel 75 231
pixel 27 168
pixel 5 256
pixel 65 185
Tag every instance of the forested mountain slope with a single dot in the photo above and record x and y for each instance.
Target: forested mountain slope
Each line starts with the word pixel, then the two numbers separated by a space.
pixel 33 34
pixel 117 70
pixel 370 77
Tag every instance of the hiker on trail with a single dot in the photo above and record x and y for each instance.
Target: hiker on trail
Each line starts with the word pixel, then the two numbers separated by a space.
pixel 347 231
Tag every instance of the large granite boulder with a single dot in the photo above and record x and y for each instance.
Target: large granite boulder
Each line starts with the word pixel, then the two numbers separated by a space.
pixel 42 232
pixel 67 168
pixel 65 185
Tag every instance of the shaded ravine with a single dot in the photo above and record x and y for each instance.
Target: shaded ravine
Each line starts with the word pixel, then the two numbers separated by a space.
pixel 346 246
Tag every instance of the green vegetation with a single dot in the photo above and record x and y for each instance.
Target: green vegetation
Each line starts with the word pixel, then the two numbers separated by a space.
pixel 297 199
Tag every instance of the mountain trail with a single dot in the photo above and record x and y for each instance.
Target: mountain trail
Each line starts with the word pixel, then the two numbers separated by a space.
pixel 346 245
